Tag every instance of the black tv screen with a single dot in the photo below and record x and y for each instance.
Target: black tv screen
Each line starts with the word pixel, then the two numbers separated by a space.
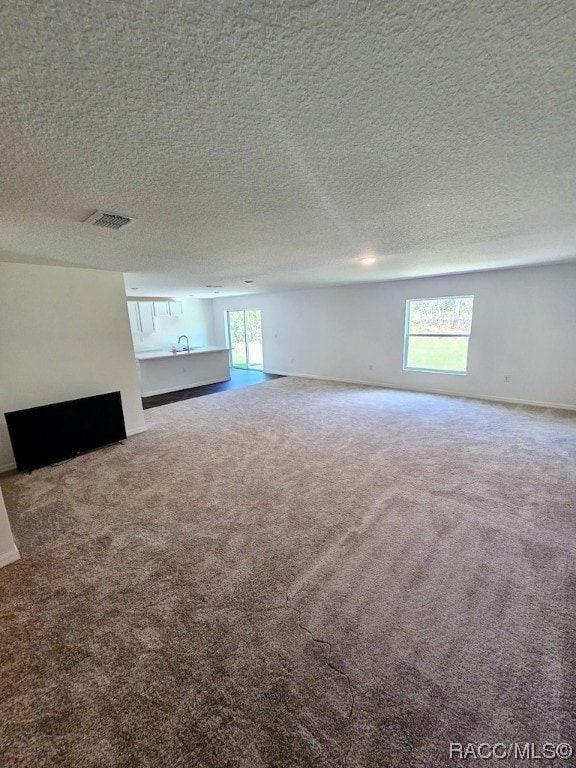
pixel 51 433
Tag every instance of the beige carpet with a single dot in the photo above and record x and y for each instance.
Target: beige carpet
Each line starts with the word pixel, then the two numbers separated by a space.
pixel 295 574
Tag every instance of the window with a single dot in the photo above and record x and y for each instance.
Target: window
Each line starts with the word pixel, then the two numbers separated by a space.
pixel 437 334
pixel 245 338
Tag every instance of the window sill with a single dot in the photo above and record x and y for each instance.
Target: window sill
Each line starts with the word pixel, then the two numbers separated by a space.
pixel 435 370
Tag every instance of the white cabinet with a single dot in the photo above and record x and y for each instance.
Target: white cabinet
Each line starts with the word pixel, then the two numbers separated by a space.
pixel 173 308
pixel 141 315
pixel 161 308
pixel 146 310
pixel 135 326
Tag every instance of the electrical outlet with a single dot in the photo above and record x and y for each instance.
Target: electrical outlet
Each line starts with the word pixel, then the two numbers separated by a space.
pixel 507 379
pixel 370 367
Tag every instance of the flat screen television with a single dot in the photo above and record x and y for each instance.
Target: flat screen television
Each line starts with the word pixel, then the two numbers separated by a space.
pixel 47 434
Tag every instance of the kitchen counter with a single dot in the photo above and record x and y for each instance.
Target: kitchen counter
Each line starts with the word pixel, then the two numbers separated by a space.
pixel 157 354
pixel 161 372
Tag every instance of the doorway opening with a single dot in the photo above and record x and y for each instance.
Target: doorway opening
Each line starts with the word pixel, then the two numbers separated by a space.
pixel 245 338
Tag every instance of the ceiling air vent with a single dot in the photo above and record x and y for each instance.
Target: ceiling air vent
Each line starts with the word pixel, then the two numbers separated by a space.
pixel 108 220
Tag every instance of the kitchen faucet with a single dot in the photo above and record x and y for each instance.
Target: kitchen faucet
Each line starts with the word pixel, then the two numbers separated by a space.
pixel 187 347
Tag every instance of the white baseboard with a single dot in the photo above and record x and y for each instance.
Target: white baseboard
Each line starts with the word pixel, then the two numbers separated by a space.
pixel 490 398
pixel 9 557
pixel 137 431
pixel 184 386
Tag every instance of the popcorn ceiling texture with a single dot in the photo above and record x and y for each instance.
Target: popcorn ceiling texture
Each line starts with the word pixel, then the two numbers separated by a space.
pixel 268 141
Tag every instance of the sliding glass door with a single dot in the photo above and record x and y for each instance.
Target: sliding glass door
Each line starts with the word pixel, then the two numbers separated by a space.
pixel 245 338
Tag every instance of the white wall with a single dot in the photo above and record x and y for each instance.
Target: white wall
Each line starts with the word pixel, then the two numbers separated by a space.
pixel 64 333
pixel 8 550
pixel 524 327
pixel 196 322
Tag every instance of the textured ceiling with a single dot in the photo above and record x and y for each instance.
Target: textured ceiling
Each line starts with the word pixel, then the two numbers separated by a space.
pixel 275 142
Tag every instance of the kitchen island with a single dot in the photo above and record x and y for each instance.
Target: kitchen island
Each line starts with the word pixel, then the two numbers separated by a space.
pixel 161 371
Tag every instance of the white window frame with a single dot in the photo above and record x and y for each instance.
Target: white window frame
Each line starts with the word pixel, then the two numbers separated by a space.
pixel 408 335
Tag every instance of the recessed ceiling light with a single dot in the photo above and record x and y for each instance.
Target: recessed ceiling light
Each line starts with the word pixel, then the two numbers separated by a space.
pixel 368 259
pixel 248 281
